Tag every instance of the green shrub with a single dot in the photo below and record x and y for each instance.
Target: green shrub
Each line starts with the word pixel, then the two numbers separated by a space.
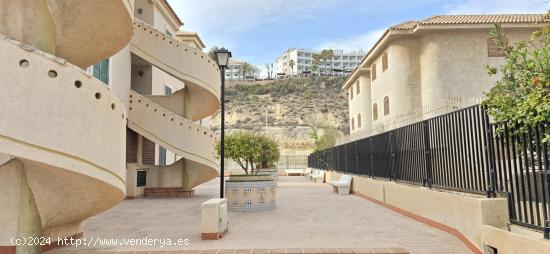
pixel 250 150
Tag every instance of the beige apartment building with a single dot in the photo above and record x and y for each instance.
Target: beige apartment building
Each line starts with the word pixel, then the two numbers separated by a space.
pixel 101 100
pixel 421 69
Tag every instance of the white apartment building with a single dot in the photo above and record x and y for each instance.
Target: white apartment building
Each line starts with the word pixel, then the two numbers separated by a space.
pixel 234 72
pixel 342 63
pixel 421 69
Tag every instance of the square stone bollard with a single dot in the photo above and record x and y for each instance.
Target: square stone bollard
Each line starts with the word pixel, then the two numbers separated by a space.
pixel 214 219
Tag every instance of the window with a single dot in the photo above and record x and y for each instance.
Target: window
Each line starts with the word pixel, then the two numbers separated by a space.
pixel 352 123
pixel 101 71
pixel 492 50
pixel 357 89
pixel 374 111
pixel 351 92
pixel 167 90
pixel 358 121
pixel 384 61
pixel 373 72
pixel 386 105
pixel 141 178
pixel 162 156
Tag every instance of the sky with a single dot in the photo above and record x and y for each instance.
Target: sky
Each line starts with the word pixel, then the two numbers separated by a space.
pixel 258 31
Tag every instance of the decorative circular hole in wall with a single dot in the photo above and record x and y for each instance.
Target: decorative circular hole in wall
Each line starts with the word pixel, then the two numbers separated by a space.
pixel 113 106
pixel 131 101
pixel 97 95
pixel 139 101
pixel 130 108
pixel 198 130
pixel 140 11
pixel 52 74
pixel 172 119
pixel 147 105
pixel 205 133
pixel 155 110
pixel 130 96
pixel 24 63
pixel 78 84
pixel 170 42
pixel 163 115
pixel 181 124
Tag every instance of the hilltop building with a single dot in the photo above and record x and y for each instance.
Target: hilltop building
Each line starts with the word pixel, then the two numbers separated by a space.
pixel 342 63
pixel 233 71
pixel 421 69
pixel 74 143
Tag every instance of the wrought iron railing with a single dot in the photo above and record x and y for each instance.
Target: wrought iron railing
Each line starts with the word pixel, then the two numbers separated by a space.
pixel 459 151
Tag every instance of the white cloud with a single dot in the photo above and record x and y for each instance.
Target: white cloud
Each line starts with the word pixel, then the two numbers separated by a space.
pixel 500 7
pixel 358 42
pixel 236 16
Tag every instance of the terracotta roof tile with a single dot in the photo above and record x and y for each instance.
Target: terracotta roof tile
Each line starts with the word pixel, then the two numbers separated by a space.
pixel 405 25
pixel 483 19
pixel 472 19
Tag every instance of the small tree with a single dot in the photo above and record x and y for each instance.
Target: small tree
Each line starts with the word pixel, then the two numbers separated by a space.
pixel 323 132
pixel 250 150
pixel 522 96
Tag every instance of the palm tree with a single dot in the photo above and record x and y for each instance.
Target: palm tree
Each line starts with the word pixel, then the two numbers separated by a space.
pixel 212 53
pixel 330 56
pixel 244 70
pixel 268 69
pixel 315 63
pixel 326 55
pixel 291 64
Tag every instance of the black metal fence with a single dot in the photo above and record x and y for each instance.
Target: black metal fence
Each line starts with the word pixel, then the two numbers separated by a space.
pixel 459 151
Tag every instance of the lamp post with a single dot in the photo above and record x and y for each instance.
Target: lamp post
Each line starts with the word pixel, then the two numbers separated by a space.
pixel 222 57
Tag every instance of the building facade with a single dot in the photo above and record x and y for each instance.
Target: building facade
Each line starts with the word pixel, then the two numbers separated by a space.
pixel 74 143
pixel 421 69
pixel 296 61
pixel 234 71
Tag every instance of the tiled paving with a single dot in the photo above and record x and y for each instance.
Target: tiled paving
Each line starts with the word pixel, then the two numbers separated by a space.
pixel 308 215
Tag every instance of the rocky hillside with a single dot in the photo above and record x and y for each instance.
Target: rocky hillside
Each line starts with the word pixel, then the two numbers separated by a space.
pixel 287 102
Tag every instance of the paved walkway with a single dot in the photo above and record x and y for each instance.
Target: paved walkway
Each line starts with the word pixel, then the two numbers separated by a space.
pixel 308 215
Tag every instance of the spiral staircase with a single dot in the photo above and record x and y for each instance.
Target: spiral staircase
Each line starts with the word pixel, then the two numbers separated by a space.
pixel 169 120
pixel 62 132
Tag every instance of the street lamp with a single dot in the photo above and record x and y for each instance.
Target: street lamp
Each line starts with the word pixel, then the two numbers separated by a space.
pixel 222 57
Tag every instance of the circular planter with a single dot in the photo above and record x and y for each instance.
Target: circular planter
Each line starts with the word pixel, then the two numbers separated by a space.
pixel 250 193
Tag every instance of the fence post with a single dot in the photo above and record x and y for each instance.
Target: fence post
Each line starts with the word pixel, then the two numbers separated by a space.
pixel 489 154
pixel 371 158
pixel 356 158
pixel 392 157
pixel 427 154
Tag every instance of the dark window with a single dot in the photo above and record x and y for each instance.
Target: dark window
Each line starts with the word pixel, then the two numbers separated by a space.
pixel 141 178
pixel 358 121
pixel 352 124
pixel 148 152
pixel 384 61
pixel 373 72
pixel 131 146
pixel 101 71
pixel 357 89
pixel 386 105
pixel 351 92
